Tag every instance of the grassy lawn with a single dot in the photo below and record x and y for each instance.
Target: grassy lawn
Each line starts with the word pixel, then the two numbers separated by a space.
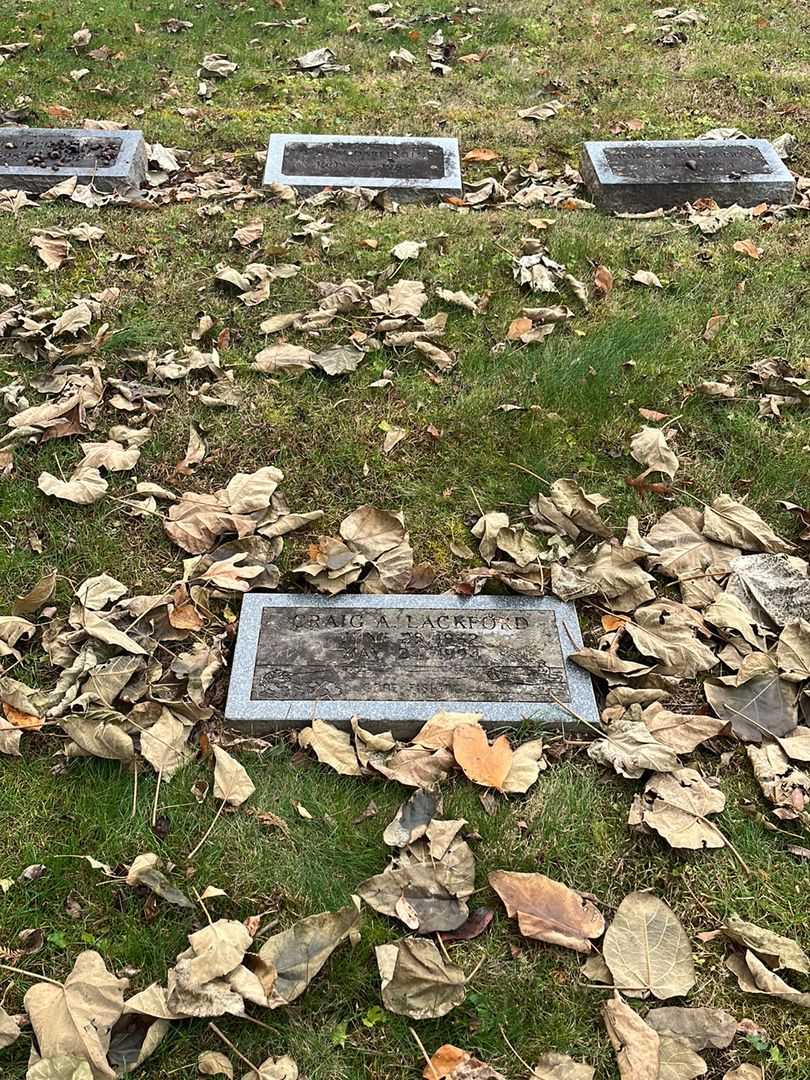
pixel 579 393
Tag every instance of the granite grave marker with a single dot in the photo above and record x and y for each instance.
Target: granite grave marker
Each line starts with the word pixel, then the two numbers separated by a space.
pixel 638 176
pixel 410 168
pixel 35 159
pixel 394 660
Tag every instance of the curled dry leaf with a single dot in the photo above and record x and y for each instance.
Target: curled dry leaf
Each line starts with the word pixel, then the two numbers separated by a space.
pixel 274 1068
pixel 84 487
pixel 145 870
pixel 416 981
pixel 212 1063
pixel 647 950
pixel 637 1046
pixel 231 781
pixel 632 749
pixel 754 977
pixel 787 787
pixel 777 951
pixel 332 746
pixel 676 806
pixel 289 961
pixel 547 910
pixel 412 819
pixel 650 448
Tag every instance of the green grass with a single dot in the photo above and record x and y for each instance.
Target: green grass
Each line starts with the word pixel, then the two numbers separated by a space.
pixel 581 392
pixel 571 827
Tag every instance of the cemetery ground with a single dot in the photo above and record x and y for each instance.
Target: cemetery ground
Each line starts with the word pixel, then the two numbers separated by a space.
pixel 476 437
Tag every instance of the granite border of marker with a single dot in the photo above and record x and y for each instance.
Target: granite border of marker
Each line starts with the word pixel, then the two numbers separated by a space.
pixel 611 191
pixel 400 716
pixel 410 189
pixel 128 170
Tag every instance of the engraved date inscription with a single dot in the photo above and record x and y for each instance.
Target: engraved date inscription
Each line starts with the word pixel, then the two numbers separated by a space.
pixel 399 654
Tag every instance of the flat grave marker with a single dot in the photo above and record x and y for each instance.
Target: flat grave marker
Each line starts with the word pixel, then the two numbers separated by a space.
pixel 395 660
pixel 639 176
pixel 35 159
pixel 410 168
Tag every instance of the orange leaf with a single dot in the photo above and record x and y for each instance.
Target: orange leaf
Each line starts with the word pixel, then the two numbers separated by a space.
pixel 21 719
pixel 603 280
pixel 518 327
pixel 651 414
pixel 480 153
pixel 483 763
pixel 612 622
pixel 640 483
pixel 185 617
pixel 547 910
pixel 454 200
pixel 445 1061
pixel 749 248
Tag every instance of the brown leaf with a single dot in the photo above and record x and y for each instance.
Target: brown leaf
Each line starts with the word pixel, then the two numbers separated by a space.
pixel 698 1028
pixel 332 746
pixel 195 452
pixel 637 1046
pixel 231 781
pixel 476 923
pixel 480 153
pixel 547 910
pixel 554 1066
pixel 602 280
pixel 631 749
pixel 777 951
pixel 682 732
pixel 416 981
pixel 482 762
pixel 84 487
pixel 37 596
pixel 732 523
pixel 749 248
pixel 676 806
pixel 290 960
pixel 76 1018
pixel 647 950
pixel 650 448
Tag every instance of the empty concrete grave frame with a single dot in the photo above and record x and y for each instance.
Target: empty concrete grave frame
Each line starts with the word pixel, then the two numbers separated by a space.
pixel 640 176
pixel 395 660
pixel 18 144
pixel 410 168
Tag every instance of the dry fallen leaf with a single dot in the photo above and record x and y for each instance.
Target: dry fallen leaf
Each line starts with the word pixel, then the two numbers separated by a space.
pixel 290 960
pixel 482 762
pixel 637 1046
pixel 416 981
pixel 699 1028
pixel 76 1018
pixel 647 950
pixel 676 806
pixel 554 1066
pixel 749 248
pixel 212 1063
pixel 332 746
pixel 547 910
pixel 231 781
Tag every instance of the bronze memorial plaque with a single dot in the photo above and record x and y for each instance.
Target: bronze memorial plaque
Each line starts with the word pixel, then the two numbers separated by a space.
pixel 394 660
